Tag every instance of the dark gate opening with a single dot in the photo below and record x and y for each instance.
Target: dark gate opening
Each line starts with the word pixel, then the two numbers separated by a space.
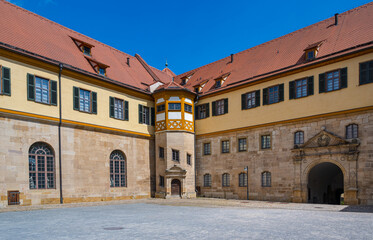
pixel 325 184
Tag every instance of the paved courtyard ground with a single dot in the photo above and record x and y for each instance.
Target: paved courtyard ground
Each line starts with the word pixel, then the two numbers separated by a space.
pixel 186 219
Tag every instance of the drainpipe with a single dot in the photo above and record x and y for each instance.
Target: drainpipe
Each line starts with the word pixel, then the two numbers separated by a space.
pixel 195 154
pixel 59 130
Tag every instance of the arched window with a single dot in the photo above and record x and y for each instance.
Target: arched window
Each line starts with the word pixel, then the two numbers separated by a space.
pixel 242 180
pixel 117 169
pixel 207 180
pixel 41 166
pixel 352 131
pixel 266 179
pixel 298 138
pixel 226 180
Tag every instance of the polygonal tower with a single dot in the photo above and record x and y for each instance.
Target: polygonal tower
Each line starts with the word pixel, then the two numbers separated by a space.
pixel 174 141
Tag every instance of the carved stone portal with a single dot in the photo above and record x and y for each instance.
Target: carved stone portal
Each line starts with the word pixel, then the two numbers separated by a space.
pixel 326 147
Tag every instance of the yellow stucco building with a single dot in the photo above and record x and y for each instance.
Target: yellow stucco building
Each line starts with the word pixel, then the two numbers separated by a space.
pixel 288 120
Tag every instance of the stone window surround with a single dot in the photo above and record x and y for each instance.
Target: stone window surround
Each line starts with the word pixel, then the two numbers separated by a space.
pixel 346 130
pixel 295 133
pixel 188 155
pixel 221 145
pixel 260 141
pixel 203 148
pixel 175 155
pixel 209 183
pixel 161 152
pixel 238 143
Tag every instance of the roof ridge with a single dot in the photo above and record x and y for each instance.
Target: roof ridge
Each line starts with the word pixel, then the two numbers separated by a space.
pixel 281 37
pixel 63 27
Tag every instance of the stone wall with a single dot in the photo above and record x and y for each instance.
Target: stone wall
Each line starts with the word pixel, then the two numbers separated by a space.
pixel 279 160
pixel 85 163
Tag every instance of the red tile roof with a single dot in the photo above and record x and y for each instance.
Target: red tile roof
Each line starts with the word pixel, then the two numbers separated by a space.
pixel 37 35
pixel 354 31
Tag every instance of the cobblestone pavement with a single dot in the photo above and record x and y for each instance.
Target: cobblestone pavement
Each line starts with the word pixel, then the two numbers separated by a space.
pixel 185 219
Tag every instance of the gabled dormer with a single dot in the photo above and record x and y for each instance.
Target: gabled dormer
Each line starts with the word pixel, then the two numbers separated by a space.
pixel 312 50
pixel 84 47
pixel 219 81
pixel 198 87
pixel 185 79
pixel 100 68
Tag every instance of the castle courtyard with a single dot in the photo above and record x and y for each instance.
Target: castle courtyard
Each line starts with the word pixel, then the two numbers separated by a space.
pixel 187 219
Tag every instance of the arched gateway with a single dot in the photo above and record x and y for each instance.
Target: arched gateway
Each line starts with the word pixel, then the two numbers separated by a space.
pixel 325 184
pixel 324 168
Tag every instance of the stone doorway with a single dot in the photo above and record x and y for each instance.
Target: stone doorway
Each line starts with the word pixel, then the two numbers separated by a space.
pixel 325 184
pixel 175 187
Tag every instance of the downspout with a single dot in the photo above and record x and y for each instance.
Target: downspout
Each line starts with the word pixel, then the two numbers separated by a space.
pixel 59 130
pixel 195 154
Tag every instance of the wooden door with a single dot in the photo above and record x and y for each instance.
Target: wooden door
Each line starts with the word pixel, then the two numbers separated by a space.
pixel 13 197
pixel 175 187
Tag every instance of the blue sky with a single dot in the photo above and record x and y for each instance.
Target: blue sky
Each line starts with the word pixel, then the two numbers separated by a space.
pixel 189 33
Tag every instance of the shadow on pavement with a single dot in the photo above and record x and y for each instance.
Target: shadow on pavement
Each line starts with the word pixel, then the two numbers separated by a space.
pixel 365 209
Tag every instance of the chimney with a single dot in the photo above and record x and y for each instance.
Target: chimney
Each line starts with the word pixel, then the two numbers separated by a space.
pixel 336 19
pixel 128 61
pixel 232 57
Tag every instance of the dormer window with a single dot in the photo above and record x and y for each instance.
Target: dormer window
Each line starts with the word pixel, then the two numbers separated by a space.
pixel 102 71
pixel 84 47
pixel 197 89
pixel 310 55
pixel 218 84
pixel 100 68
pixel 87 50
pixel 185 79
pixel 312 50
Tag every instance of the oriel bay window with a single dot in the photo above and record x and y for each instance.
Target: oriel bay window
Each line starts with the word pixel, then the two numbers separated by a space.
pixel 41 166
pixel 174 106
pixel 220 107
pixel 301 88
pixel 366 72
pixel 250 100
pixel 273 94
pixel 5 80
pixel 117 169
pixel 85 100
pixel 146 115
pixel 333 80
pixel 41 90
pixel 188 108
pixel 202 111
pixel 118 108
pixel 161 108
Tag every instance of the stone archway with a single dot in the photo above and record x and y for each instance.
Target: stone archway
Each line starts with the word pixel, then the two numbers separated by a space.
pixel 325 184
pixel 175 187
pixel 326 152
